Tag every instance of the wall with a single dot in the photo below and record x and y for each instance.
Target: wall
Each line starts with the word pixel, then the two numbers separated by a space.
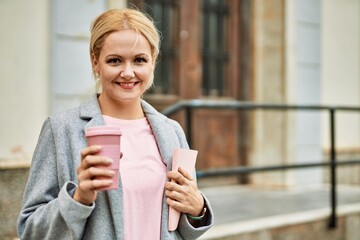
pixel 341 75
pixel 287 70
pixel 307 89
pixel 270 127
pixel 24 57
pixel 12 185
pixel 71 74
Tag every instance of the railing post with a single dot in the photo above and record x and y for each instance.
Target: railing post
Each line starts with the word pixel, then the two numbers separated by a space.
pixel 333 195
pixel 188 119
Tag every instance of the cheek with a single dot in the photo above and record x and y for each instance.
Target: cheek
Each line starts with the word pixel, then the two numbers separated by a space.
pixel 146 74
pixel 109 74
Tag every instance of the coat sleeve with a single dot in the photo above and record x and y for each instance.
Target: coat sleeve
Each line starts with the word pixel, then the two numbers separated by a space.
pixel 186 230
pixel 48 210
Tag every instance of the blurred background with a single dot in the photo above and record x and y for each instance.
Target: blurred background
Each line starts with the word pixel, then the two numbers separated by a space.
pixel 297 52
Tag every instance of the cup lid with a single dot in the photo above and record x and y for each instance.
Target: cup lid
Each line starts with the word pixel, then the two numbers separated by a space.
pixel 102 130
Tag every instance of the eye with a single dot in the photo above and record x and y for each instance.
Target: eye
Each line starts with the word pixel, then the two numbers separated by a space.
pixel 140 60
pixel 113 61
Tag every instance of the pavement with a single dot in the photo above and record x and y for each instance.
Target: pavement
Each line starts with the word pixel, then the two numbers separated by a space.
pixel 240 203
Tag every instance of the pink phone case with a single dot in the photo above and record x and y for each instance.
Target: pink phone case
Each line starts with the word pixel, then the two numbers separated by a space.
pixel 186 159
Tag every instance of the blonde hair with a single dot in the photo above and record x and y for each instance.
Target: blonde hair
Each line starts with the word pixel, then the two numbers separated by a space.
pixel 122 19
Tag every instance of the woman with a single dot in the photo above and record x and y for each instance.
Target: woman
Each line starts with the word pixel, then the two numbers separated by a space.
pixel 61 200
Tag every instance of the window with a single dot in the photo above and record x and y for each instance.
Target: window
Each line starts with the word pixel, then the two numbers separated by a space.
pixel 215 56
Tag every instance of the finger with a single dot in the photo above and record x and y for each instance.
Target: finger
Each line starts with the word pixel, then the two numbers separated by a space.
pixel 175 204
pixel 95 172
pixel 90 161
pixel 177 177
pixel 174 195
pixel 173 186
pixel 99 184
pixel 90 150
pixel 93 185
pixel 185 174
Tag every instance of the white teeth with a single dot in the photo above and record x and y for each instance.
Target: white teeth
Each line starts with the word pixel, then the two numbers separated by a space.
pixel 127 84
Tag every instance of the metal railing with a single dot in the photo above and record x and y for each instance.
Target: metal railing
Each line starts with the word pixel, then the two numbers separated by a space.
pixel 189 105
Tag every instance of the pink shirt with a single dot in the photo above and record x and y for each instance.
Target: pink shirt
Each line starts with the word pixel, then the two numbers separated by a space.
pixel 143 176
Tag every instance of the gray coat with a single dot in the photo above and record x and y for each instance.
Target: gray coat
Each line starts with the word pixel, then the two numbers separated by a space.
pixel 48 210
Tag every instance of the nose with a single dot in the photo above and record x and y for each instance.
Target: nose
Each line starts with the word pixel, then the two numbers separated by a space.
pixel 127 72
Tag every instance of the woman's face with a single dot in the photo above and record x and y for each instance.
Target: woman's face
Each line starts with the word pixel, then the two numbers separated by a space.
pixel 125 66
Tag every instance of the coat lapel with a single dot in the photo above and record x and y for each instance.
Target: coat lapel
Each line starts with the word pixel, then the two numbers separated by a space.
pixel 164 133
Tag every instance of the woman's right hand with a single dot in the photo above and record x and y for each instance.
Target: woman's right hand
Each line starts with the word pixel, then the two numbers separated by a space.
pixel 89 172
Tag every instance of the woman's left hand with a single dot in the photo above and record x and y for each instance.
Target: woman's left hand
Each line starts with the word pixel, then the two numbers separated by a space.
pixel 182 193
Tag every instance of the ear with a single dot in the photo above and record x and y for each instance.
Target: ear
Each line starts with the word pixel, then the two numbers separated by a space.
pixel 94 63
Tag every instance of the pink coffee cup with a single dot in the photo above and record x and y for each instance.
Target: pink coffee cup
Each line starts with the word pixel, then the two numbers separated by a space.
pixel 109 139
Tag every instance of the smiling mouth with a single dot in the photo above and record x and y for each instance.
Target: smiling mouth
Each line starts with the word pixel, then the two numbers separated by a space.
pixel 127 84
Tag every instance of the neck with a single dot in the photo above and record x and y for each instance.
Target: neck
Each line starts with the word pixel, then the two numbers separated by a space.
pixel 127 109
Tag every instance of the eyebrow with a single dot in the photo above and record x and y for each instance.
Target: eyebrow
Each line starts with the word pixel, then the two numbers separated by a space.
pixel 142 55
pixel 118 55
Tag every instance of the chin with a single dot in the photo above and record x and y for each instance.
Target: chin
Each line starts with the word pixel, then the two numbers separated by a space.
pixel 129 98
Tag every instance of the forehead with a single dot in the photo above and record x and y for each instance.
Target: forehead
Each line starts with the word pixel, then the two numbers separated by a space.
pixel 126 42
